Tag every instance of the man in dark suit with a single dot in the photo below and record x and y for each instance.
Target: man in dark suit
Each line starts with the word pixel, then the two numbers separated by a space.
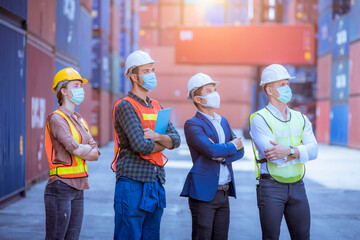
pixel 213 147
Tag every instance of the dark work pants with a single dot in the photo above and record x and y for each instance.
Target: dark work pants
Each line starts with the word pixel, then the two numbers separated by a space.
pixel 210 220
pixel 278 199
pixel 64 207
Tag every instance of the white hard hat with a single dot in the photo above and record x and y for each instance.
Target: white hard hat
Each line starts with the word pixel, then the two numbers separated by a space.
pixel 135 59
pixel 273 73
pixel 197 81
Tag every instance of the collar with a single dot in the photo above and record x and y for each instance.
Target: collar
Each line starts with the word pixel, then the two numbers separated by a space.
pixel 139 99
pixel 69 113
pixel 277 113
pixel 215 117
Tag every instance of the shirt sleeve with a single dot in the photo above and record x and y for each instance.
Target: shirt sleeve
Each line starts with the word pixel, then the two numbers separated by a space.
pixel 309 149
pixel 60 130
pixel 173 134
pixel 261 134
pixel 130 123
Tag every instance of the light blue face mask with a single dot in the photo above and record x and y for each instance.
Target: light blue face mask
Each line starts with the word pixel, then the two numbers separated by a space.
pixel 285 94
pixel 149 81
pixel 78 95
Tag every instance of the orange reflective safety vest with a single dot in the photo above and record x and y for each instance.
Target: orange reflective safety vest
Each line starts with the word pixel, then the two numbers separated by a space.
pixel 78 167
pixel 148 118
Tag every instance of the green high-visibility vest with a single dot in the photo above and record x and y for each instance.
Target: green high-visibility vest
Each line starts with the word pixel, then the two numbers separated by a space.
pixel 287 133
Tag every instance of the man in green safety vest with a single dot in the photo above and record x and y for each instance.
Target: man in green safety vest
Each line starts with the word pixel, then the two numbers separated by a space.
pixel 283 141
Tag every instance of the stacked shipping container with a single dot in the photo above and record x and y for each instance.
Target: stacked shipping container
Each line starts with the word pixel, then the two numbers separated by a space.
pixel 338 62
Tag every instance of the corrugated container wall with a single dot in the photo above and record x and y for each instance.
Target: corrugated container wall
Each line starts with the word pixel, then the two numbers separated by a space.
pixel 87 4
pixel 355 20
pixel 18 7
pixel 85 44
pixel 41 20
pixel 115 29
pixel 341 44
pixel 340 81
pixel 355 68
pixel 325 33
pixel 101 16
pixel 354 120
pixel 115 72
pixel 323 121
pixel 100 62
pixel 339 124
pixel 324 77
pixel 39 103
pixel 12 111
pixel 67 27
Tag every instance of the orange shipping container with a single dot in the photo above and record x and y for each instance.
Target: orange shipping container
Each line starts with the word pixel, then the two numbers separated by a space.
pixel 148 38
pixel 193 16
pixel 39 103
pixel 148 15
pixel 41 20
pixel 105 119
pixel 115 29
pixel 324 77
pixel 258 45
pixel 85 106
pixel 169 16
pixel 355 68
pixel 323 121
pixel 354 120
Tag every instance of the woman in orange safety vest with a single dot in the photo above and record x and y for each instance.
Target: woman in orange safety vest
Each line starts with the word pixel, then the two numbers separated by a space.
pixel 68 145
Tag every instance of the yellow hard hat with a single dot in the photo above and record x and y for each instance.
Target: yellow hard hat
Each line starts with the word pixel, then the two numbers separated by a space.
pixel 67 74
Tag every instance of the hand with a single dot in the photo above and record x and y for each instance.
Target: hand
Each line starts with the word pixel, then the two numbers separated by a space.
pixel 277 152
pixel 219 159
pixel 150 134
pixel 238 143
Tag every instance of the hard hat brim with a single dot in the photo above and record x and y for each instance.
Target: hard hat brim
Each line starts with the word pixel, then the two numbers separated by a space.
pixel 194 89
pixel 83 81
pixel 263 84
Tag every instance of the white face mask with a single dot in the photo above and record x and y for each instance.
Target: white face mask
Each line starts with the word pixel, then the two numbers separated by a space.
pixel 212 100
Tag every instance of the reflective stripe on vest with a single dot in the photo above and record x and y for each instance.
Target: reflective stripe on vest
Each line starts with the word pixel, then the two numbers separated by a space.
pixel 78 167
pixel 287 133
pixel 147 116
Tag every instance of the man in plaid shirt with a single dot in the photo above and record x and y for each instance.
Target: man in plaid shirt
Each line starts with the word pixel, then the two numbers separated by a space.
pixel 139 194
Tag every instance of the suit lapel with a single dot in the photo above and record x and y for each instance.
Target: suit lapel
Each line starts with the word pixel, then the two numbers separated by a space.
pixel 210 125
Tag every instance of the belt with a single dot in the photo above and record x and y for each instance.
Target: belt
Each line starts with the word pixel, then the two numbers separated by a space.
pixel 224 187
pixel 266 176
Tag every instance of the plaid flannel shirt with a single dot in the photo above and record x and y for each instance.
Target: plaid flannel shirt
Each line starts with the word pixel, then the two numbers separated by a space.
pixel 132 142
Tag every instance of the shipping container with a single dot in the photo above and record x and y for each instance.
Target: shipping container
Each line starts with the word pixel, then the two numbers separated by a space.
pixel 12 111
pixel 87 4
pixel 340 37
pixel 67 27
pixel 286 44
pixel 85 43
pixel 148 38
pixel 85 107
pixel 125 44
pixel 355 68
pixel 170 16
pixel 325 33
pixel 115 72
pixel 125 14
pixel 19 7
pixel 94 120
pixel 323 68
pixel 123 80
pixel 167 37
pixel 237 15
pixel 149 15
pixel 149 1
pixel 354 120
pixel 339 124
pixel 100 62
pixel 340 81
pixel 215 15
pixel 39 10
pixel 193 16
pixel 324 5
pixel 105 111
pixel 135 29
pixel 101 16
pixel 170 1
pixel 115 29
pixel 355 21
pixel 323 121
pixel 39 104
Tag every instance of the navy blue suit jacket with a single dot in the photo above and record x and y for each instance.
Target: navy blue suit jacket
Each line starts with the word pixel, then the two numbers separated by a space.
pixel 203 179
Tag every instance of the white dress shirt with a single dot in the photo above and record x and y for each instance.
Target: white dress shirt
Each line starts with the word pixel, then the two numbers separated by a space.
pixel 261 135
pixel 224 175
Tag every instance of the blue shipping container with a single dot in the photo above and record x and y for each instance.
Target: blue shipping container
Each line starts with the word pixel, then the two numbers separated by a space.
pixel 339 125
pixel 341 40
pixel 149 1
pixel 101 15
pixel 12 112
pixel 18 7
pixel 125 45
pixel 100 63
pixel 325 33
pixel 355 21
pixel 215 15
pixel 237 15
pixel 340 81
pixel 324 4
pixel 245 2
pixel 85 43
pixel 135 28
pixel 67 27
pixel 123 79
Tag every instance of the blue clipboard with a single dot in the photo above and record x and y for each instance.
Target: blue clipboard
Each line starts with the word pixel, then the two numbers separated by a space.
pixel 162 120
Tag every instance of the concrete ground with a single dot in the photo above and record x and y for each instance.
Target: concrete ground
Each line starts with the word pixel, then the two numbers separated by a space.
pixel 332 182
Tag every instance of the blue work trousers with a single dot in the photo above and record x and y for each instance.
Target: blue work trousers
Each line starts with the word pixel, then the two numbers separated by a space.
pixel 138 209
pixel 276 200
